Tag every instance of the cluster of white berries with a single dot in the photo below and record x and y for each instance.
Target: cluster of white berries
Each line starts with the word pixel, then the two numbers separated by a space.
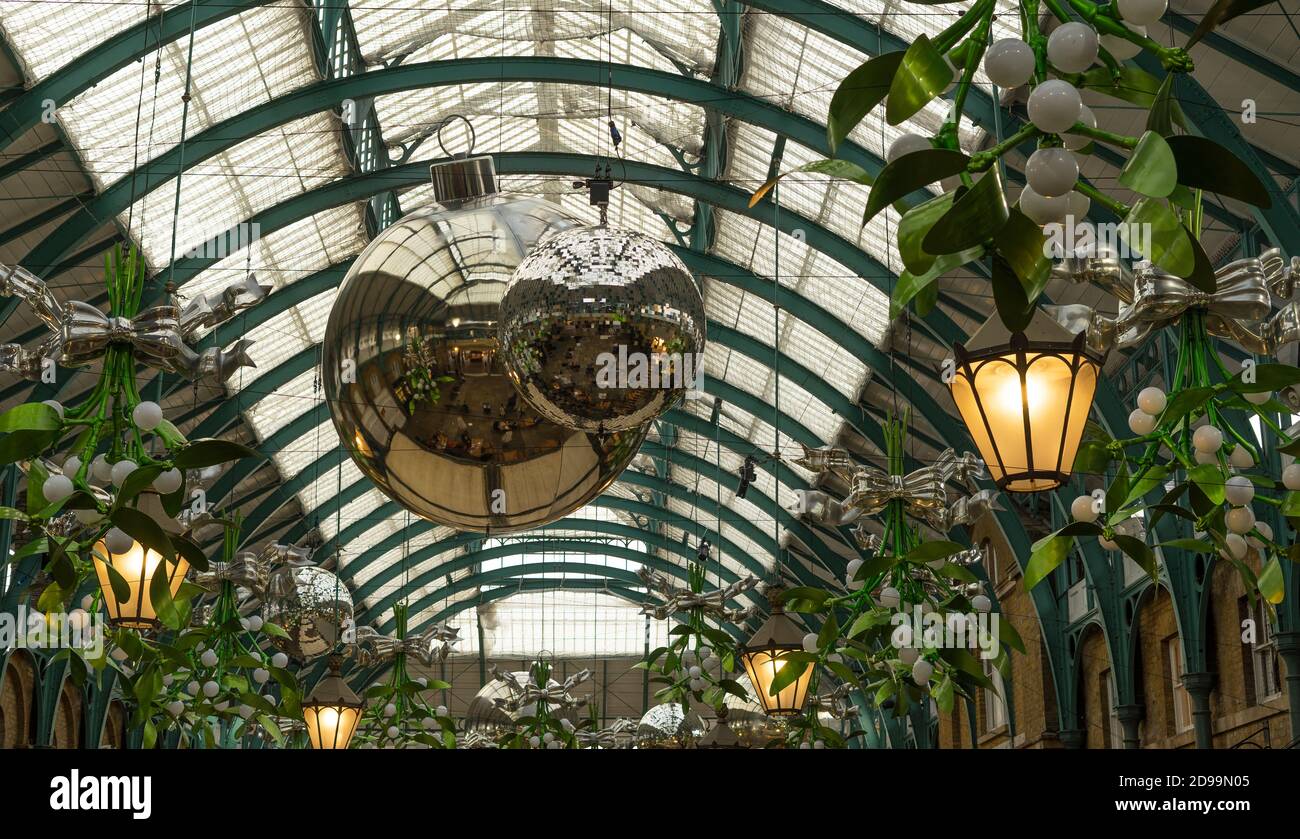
pixel 816 744
pixel 697 663
pixel 1206 439
pixel 147 416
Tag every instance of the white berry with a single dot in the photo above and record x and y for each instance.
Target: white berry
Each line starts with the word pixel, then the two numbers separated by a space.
pixel 1074 142
pixel 1236 546
pixel 1152 400
pixel 905 145
pixel 922 670
pixel 122 470
pixel 1054 106
pixel 261 675
pixel 71 466
pixel 909 654
pixel 1142 12
pixel 1052 171
pixel 1207 439
pixel 101 469
pixel 176 707
pixel 167 482
pixel 1239 491
pixel 1121 48
pixel 280 660
pixel 147 415
pixel 118 541
pixel 255 623
pixel 1241 458
pixel 56 405
pixel 889 597
pixel 1041 209
pixel 1140 422
pixel 57 488
pixel 1240 520
pixel 390 710
pixel 981 603
pixel 810 644
pixel 210 689
pixel 1009 63
pixel 209 658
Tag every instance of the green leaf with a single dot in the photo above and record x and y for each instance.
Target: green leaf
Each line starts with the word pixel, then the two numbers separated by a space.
pixel 1152 479
pixel 210 452
pixel 1184 403
pixel 1196 546
pixel 910 173
pixel 1013 307
pixel 1151 169
pixel 835 168
pixel 922 75
pixel 1203 275
pixel 1022 244
pixel 137 482
pixel 1272 584
pixel 1160 119
pixel 943 695
pixel 160 596
pixel 1208 477
pixel 32 416
pixel 815 597
pixel 274 630
pixel 830 632
pixel 912 228
pixel 1204 164
pixel 121 588
pixel 1093 458
pixel 11 513
pixel 1222 12
pixel 924 288
pixel 787 675
pixel 1267 377
pixel 1152 229
pixel 144 530
pixel 1137 550
pixel 1008 635
pixel 858 94
pixel 25 445
pixel 977 215
pixel 1048 552
pixel 191 552
pixel 1133 85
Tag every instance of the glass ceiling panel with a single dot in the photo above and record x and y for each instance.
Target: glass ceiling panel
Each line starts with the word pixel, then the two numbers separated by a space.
pixel 568 624
pixel 46 36
pixel 685 31
pixel 244 62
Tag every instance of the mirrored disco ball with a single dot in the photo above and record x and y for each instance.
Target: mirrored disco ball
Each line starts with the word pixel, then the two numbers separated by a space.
pixel 418 389
pixel 311 605
pixel 603 329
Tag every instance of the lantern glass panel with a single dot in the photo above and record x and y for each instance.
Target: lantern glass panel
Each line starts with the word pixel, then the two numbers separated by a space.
pixel 137 567
pixel 331 726
pixel 762 666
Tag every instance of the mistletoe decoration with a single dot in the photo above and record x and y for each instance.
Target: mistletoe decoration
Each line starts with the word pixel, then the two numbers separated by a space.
pixel 1193 454
pixel 1167 166
pixel 695 663
pixel 398 715
pixel 874 619
pixel 114 446
pixel 215 679
pixel 536 705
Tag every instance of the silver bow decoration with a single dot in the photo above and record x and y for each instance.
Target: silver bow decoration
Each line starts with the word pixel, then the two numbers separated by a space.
pixel 836 703
pixel 616 736
pixel 430 647
pixel 554 694
pixel 1240 309
pixel 246 570
pixel 80 333
pixel 924 491
pixel 680 599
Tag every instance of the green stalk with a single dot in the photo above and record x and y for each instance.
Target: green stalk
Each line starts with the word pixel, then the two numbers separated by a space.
pixel 1122 140
pixel 1117 207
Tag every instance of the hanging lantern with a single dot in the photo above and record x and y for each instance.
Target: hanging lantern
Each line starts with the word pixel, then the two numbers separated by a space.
pixel 136 566
pixel 763 660
pixel 332 710
pixel 1024 398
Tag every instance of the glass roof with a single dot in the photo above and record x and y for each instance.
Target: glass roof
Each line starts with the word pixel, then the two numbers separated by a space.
pixel 249 59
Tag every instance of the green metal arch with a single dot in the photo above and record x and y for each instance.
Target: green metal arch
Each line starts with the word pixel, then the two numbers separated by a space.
pixel 655 540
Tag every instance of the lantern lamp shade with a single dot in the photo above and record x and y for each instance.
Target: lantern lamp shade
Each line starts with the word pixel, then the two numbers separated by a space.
pixel 721 735
pixel 763 660
pixel 1025 404
pixel 137 567
pixel 332 711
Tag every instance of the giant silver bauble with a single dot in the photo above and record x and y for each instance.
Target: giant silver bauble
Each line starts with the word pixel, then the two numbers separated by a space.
pixel 603 329
pixel 311 605
pixel 668 726
pixel 417 387
pixel 485 716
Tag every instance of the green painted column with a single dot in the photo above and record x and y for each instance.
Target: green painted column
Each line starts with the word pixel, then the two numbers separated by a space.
pixel 1199 686
pixel 1130 717
pixel 1288 646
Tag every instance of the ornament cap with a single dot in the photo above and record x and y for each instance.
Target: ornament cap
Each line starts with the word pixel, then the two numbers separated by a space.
pixel 462 179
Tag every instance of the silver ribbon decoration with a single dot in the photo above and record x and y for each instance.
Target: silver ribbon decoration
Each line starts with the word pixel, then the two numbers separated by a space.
pixel 924 491
pixel 616 736
pixel 80 333
pixel 554 694
pixel 836 703
pixel 680 599
pixel 430 647
pixel 1240 309
pixel 246 570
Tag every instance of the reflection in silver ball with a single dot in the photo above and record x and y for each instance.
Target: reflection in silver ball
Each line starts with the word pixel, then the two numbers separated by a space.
pixel 311 605
pixel 486 717
pixel 668 726
pixel 603 329
pixel 419 392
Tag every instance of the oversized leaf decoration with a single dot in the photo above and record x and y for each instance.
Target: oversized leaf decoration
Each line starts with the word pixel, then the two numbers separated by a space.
pixel 1152 229
pixel 923 287
pixel 1222 12
pixel 834 168
pixel 922 75
pixel 910 173
pixel 1271 582
pixel 1204 164
pixel 1014 307
pixel 1133 85
pixel 1160 118
pixel 976 216
pixel 859 94
pixel 1151 170
pixel 1021 243
pixel 1203 276
pixel 915 223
